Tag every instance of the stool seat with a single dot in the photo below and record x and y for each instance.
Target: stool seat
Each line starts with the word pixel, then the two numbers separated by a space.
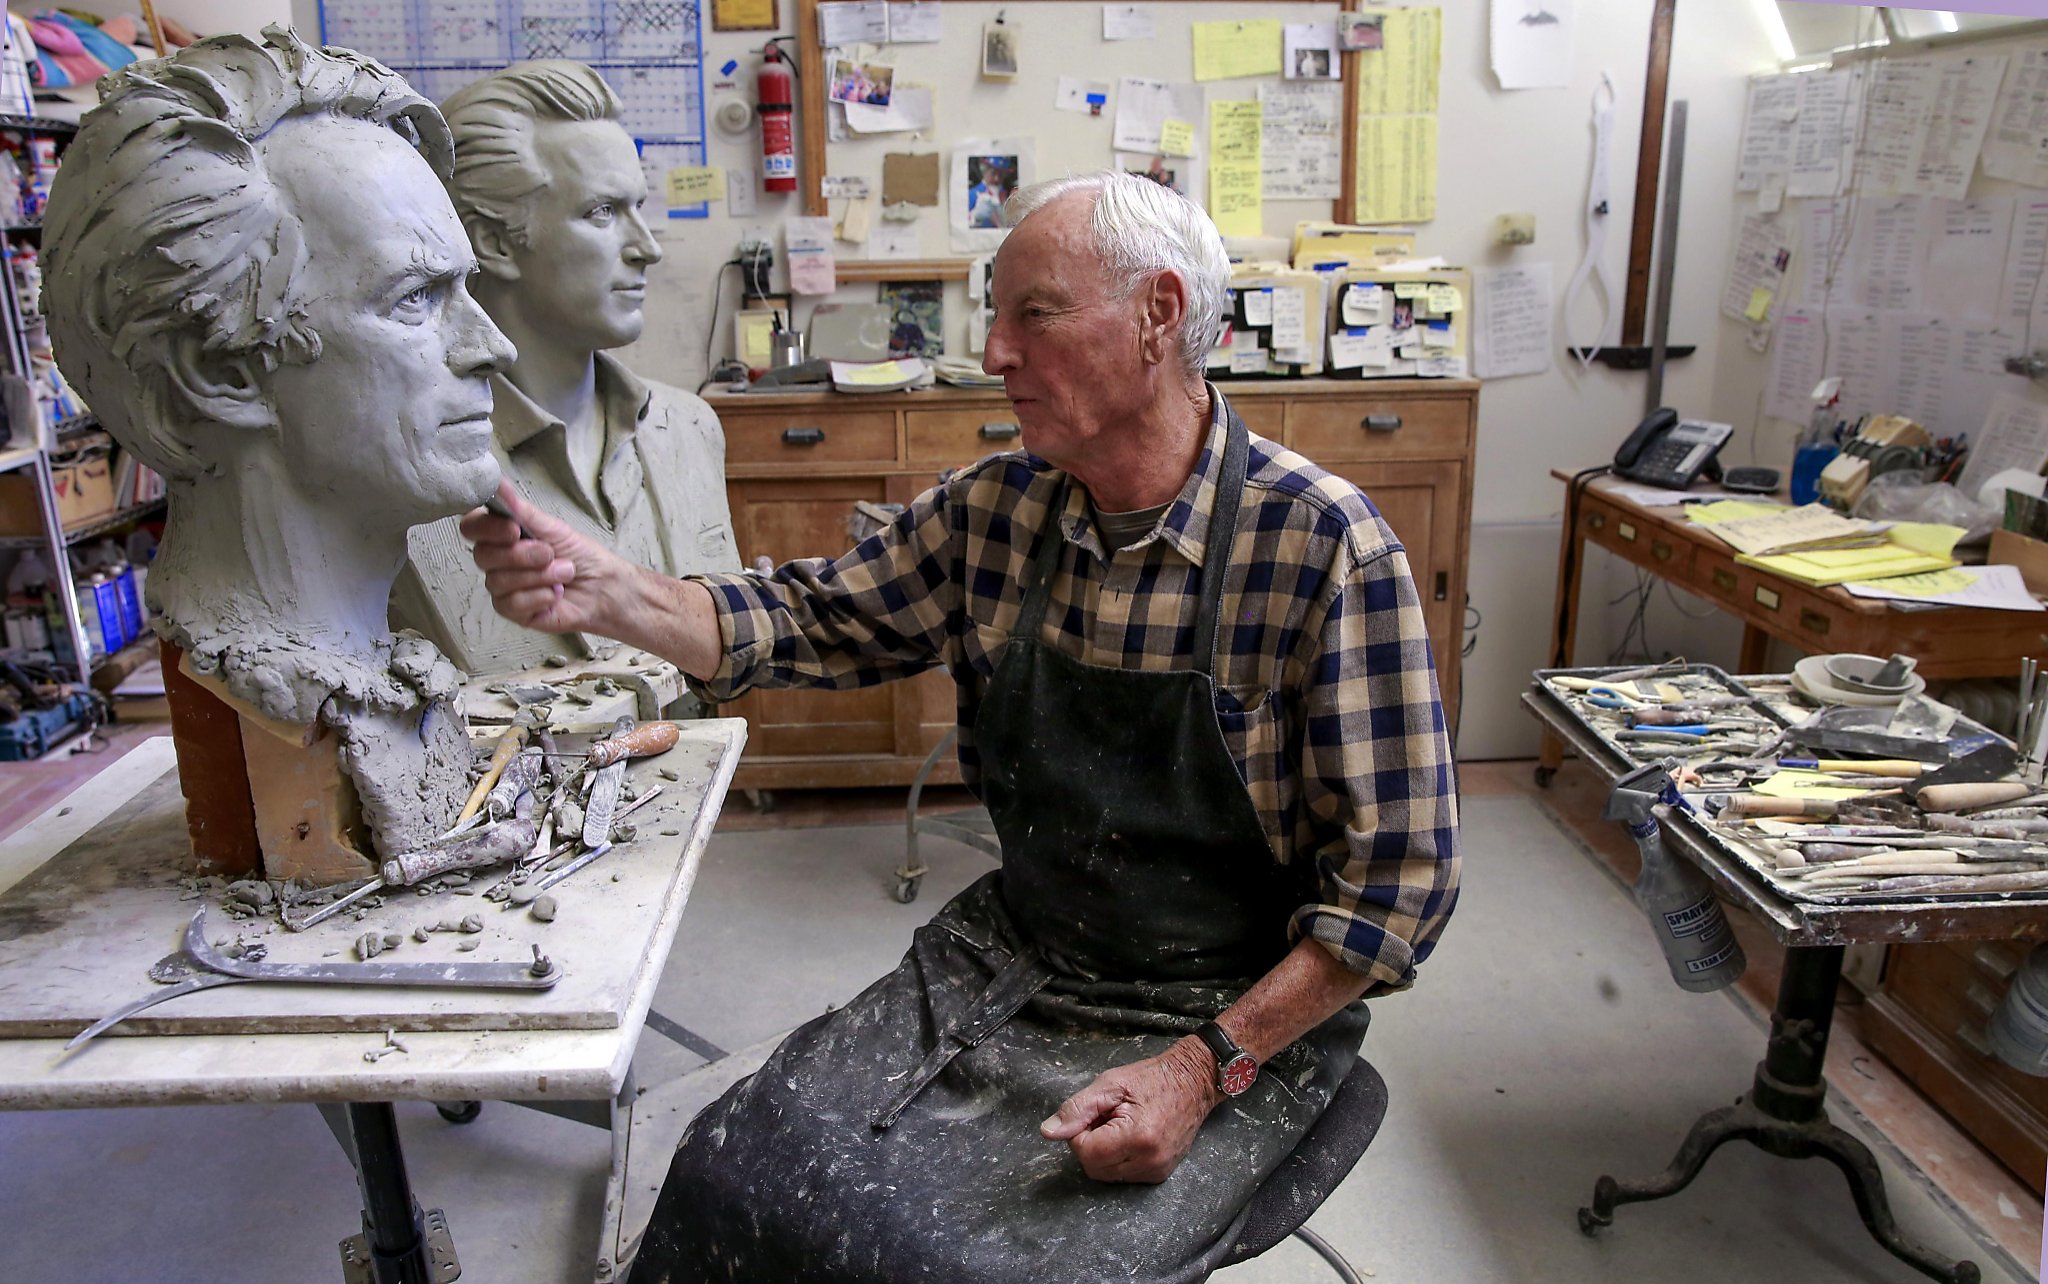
pixel 1316 1166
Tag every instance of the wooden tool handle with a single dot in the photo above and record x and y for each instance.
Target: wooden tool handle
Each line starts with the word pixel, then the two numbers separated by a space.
pixel 1898 768
pixel 1765 805
pixel 1959 797
pixel 650 738
pixel 507 840
pixel 508 748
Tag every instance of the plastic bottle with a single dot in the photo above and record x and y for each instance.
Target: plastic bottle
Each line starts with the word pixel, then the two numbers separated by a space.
pixel 1701 951
pixel 30 576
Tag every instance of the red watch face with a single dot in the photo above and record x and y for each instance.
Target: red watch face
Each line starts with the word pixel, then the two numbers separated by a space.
pixel 1237 1074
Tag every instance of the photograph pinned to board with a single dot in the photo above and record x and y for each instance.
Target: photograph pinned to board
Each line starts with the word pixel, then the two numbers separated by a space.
pixel 909 110
pixel 859 82
pixel 1183 174
pixel 1361 30
pixel 1311 51
pixel 985 174
pixel 998 51
pixel 1144 106
pixel 917 317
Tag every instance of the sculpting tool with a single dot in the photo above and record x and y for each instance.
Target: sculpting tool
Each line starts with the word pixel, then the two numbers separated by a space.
pixel 604 793
pixel 198 966
pixel 508 748
pixel 507 840
pixel 1893 768
pixel 644 741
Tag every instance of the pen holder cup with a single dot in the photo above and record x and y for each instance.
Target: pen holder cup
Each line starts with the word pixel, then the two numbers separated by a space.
pixel 785 349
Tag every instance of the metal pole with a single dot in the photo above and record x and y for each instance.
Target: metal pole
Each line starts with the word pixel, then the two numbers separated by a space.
pixel 391 1216
pixel 1667 257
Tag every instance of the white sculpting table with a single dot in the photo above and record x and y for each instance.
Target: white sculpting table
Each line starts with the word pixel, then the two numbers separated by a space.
pixel 568 1051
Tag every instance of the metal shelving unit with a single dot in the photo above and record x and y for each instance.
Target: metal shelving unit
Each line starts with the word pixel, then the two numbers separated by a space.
pixel 55 540
pixel 74 534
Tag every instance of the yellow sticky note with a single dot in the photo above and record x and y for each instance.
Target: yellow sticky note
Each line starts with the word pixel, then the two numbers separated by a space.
pixel 1235 198
pixel 1444 299
pixel 1928 537
pixel 1728 510
pixel 880 372
pixel 695 184
pixel 1234 131
pixel 1176 138
pixel 1759 304
pixel 755 332
pixel 1410 290
pixel 860 214
pixel 1226 50
pixel 1930 584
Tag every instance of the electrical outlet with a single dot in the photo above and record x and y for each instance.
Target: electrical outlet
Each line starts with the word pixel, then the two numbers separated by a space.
pixel 756 257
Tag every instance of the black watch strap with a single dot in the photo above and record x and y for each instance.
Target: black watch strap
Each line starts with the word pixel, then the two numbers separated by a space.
pixel 1235 1068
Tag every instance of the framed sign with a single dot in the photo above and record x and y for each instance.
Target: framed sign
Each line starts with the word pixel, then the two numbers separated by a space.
pixel 745 15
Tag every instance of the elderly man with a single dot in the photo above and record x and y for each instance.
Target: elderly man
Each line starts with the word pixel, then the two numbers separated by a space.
pixel 550 188
pixel 257 280
pixel 1196 695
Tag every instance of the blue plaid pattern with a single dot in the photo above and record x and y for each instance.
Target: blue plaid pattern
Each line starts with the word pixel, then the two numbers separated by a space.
pixel 1326 689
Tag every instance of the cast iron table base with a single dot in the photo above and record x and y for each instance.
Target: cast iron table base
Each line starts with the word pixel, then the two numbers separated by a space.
pixel 1783 1115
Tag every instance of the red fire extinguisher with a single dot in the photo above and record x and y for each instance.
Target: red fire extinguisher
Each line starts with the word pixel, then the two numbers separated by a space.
pixel 775 101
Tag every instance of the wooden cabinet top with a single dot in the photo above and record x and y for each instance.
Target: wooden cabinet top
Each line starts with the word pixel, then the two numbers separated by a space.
pixel 942 396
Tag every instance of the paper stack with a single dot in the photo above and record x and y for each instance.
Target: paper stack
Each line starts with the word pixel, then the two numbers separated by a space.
pixel 881 376
pixel 1815 545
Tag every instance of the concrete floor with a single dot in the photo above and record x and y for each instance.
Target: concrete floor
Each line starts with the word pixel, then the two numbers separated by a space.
pixel 1543 1046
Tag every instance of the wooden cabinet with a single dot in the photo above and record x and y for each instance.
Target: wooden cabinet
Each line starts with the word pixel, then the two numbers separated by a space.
pixel 796 463
pixel 1929 1021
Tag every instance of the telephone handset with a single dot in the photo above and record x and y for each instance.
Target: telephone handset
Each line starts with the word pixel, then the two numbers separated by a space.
pixel 1667 451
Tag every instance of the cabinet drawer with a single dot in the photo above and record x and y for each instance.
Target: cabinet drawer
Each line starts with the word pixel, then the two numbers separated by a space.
pixel 800 437
pixel 945 437
pixel 1404 428
pixel 1262 416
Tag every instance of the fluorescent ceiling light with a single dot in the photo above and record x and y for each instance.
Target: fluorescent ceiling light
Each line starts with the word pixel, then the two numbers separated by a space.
pixel 1946 20
pixel 1774 27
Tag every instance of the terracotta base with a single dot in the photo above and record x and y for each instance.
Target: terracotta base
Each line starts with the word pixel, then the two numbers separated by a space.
pixel 262 798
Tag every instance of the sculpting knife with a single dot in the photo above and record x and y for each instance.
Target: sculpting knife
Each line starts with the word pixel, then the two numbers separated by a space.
pixel 604 794
pixel 544 883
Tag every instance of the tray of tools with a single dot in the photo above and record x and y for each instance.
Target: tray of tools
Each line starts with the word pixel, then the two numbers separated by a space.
pixel 1828 803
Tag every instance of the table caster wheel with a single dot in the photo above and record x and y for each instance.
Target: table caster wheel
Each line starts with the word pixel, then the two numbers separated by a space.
pixel 763 800
pixel 459 1112
pixel 1543 776
pixel 1591 1222
pixel 906 889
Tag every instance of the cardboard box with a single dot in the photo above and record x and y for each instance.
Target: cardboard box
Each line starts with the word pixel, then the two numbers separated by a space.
pixel 2010 548
pixel 84 489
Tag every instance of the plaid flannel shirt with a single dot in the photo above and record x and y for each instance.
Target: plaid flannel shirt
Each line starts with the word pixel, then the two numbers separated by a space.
pixel 1325 687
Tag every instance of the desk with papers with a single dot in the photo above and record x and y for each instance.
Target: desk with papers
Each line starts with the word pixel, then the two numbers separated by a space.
pixel 1949 642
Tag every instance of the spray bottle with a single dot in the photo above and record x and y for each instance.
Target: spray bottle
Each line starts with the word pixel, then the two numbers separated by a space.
pixel 1692 929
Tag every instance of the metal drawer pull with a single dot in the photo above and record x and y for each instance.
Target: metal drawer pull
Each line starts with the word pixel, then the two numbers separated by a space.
pixel 1724 579
pixel 999 431
pixel 1443 585
pixel 1661 550
pixel 1380 423
pixel 1996 961
pixel 1596 521
pixel 1980 997
pixel 802 436
pixel 1973 1039
pixel 1814 622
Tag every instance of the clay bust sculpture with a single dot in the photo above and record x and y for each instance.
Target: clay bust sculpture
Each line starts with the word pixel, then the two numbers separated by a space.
pixel 258 280
pixel 550 189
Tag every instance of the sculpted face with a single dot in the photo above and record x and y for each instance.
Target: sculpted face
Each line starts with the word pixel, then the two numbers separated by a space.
pixel 1066 347
pixel 395 412
pixel 583 276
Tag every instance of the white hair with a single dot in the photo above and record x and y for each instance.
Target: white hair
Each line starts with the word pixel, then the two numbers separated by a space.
pixel 1141 228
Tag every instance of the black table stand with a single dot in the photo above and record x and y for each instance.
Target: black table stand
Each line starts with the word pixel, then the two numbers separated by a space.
pixel 1783 1115
pixel 399 1244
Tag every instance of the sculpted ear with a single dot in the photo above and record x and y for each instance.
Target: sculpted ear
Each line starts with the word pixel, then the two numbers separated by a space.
pixel 493 246
pixel 223 388
pixel 1166 311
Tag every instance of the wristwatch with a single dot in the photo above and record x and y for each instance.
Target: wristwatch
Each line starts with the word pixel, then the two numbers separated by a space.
pixel 1235 1068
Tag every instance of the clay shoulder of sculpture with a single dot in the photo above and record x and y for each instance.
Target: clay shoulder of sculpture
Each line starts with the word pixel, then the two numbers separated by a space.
pixel 672 407
pixel 292 682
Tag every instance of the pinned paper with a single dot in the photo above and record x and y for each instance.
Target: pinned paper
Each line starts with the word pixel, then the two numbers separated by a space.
pixel 853 23
pixel 1290 319
pixel 1759 304
pixel 859 217
pixel 1437 334
pixel 1248 361
pixel 1126 22
pixel 893 241
pixel 1444 299
pixel 839 187
pixel 739 192
pixel 1234 131
pixel 694 184
pixel 1347 349
pixel 1227 50
pixel 1366 305
pixel 909 109
pixel 1411 290
pixel 807 243
pixel 1076 94
pixel 915 22
pixel 1311 51
pixel 1176 138
pixel 910 178
pixel 1235 199
pixel 1258 307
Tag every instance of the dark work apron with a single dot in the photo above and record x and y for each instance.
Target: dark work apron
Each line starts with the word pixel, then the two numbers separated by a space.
pixel 897 1138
